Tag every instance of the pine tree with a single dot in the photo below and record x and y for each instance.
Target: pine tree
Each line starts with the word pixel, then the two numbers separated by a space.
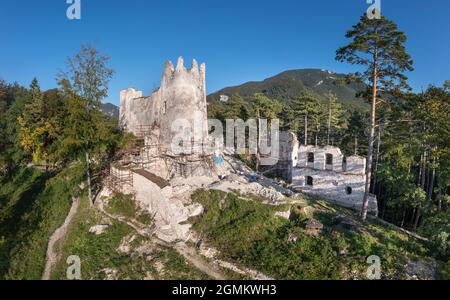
pixel 378 46
pixel 307 111
pixel 333 114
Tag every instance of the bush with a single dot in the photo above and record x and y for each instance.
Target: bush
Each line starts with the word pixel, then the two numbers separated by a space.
pixel 437 229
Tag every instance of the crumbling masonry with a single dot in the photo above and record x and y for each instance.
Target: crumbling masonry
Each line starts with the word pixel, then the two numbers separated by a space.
pixel 325 172
pixel 182 97
pixel 179 103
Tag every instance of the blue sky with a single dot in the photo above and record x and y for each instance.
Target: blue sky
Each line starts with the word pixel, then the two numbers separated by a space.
pixel 240 40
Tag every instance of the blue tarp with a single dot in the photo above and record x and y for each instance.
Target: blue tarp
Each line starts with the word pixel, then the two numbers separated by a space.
pixel 218 160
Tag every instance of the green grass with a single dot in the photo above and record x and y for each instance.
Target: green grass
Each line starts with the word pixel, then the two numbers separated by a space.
pixel 247 233
pixel 100 252
pixel 33 205
pixel 126 206
pixel 123 205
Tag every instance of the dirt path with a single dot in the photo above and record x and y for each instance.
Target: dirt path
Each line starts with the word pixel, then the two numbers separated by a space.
pixel 52 256
pixel 188 253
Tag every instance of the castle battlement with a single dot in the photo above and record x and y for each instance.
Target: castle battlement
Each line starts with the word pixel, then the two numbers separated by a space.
pixel 182 95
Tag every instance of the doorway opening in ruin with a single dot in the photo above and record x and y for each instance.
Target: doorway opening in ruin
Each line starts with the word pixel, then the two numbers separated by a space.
pixel 348 190
pixel 309 181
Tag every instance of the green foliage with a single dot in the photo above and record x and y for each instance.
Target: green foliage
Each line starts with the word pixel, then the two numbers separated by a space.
pixel 290 84
pixel 377 41
pixel 123 205
pixel 443 272
pixel 126 206
pixel 32 206
pixel 248 233
pixel 307 105
pixel 437 228
pixel 88 76
pixel 100 252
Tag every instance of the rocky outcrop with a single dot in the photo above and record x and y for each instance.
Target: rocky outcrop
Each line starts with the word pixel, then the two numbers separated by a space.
pixel 169 212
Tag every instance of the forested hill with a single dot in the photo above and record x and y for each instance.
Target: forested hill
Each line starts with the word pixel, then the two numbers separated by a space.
pixel 290 84
pixel 110 109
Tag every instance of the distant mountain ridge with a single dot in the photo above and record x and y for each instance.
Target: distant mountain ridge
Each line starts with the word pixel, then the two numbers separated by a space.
pixel 289 84
pixel 110 110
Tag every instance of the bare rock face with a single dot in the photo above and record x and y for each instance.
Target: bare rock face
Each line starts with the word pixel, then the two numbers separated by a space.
pixel 98 229
pixel 124 246
pixel 421 269
pixel 284 214
pixel 292 238
pixel 242 183
pixel 169 212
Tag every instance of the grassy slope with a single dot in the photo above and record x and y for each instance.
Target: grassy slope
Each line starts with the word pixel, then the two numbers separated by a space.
pixel 248 233
pixel 32 206
pixel 99 252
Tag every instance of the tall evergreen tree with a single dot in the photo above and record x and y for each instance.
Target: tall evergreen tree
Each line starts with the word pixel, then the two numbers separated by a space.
pixel 378 46
pixel 307 111
pixel 333 114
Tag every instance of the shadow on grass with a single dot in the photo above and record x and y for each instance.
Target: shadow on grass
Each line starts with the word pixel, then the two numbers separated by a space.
pixel 14 206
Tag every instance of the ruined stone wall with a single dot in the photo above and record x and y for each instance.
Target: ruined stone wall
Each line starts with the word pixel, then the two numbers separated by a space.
pixel 320 158
pixel 288 155
pixel 355 165
pixel 341 188
pixel 182 96
pixel 322 171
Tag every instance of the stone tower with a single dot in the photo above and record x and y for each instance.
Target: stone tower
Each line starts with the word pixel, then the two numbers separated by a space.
pixel 181 96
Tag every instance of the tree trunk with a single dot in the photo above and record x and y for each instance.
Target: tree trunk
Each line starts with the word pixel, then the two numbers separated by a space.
pixel 423 184
pixel 403 218
pixel 316 136
pixel 329 124
pixel 306 130
pixel 424 170
pixel 371 138
pixel 431 183
pixel 413 216
pixel 384 209
pixel 376 161
pixel 88 173
pixel 416 220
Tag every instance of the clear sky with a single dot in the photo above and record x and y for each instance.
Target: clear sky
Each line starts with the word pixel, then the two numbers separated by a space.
pixel 240 40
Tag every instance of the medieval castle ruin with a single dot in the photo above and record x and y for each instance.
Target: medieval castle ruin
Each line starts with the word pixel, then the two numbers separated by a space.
pixel 180 103
pixel 325 172
pixel 159 120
